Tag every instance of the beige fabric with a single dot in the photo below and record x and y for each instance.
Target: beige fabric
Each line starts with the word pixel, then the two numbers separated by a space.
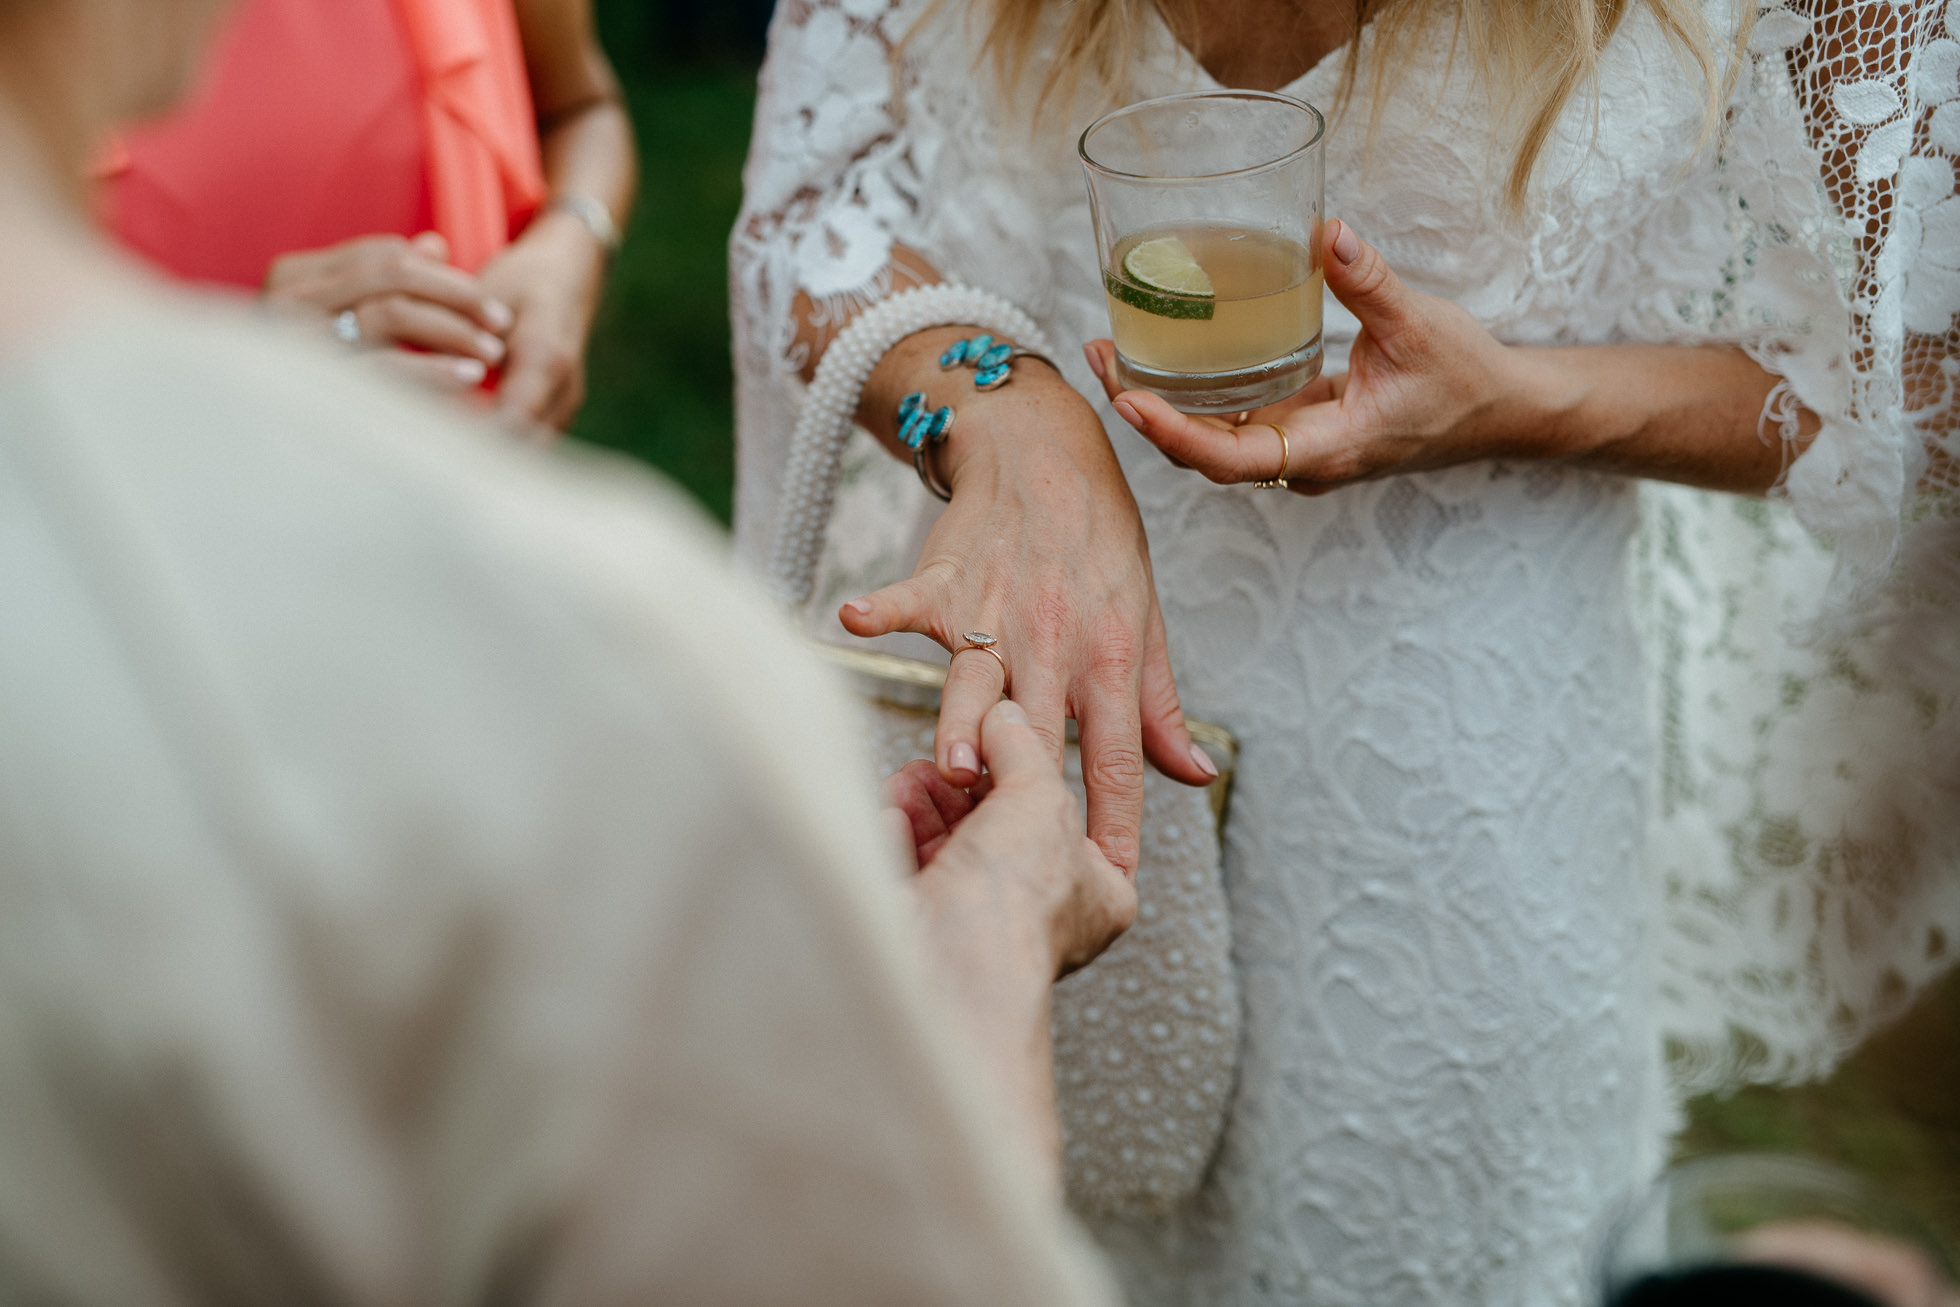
pixel 425 877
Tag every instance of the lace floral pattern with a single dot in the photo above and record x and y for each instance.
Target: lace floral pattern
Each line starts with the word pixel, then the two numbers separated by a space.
pixel 1545 817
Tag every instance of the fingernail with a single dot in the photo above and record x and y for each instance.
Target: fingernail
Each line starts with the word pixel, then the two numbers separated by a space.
pixel 471 372
pixel 862 607
pixel 1095 361
pixel 1203 762
pixel 489 346
pixel 964 759
pixel 498 314
pixel 1347 246
pixel 1012 713
pixel 1128 414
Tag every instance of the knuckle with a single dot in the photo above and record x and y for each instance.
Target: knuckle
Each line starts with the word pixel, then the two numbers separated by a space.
pixel 1050 620
pixel 1114 654
pixel 1115 766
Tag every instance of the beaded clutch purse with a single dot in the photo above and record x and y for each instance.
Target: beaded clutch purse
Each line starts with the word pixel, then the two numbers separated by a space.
pixel 1146 1036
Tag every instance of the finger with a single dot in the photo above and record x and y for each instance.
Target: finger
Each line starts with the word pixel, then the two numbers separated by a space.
pixel 527 388
pixel 1112 768
pixel 404 320
pixel 932 808
pixel 398 267
pixel 438 372
pixel 1166 741
pixel 432 244
pixel 898 833
pixel 1013 750
pixel 1102 361
pixel 974 684
pixel 1362 280
pixel 1224 454
pixel 902 606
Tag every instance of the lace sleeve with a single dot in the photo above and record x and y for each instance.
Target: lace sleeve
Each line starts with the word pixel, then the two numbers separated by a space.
pixel 1807 652
pixel 831 184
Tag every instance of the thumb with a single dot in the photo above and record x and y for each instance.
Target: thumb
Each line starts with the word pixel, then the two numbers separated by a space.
pixel 899 607
pixel 1362 280
pixel 1011 749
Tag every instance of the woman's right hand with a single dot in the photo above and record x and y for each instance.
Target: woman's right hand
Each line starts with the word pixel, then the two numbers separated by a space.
pixel 405 294
pixel 1042 547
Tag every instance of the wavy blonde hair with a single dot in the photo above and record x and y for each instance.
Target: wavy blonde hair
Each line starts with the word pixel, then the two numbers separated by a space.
pixel 1546 50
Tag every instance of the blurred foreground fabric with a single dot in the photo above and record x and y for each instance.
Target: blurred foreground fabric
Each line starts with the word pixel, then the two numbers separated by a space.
pixel 425 877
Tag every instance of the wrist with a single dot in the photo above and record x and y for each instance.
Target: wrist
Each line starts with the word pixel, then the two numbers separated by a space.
pixel 1036 414
pixel 1539 411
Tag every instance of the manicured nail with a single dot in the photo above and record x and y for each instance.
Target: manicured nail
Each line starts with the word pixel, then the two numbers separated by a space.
pixel 1347 246
pixel 1203 762
pixel 471 372
pixel 1012 713
pixel 964 759
pixel 1128 414
pixel 1095 361
pixel 489 346
pixel 498 315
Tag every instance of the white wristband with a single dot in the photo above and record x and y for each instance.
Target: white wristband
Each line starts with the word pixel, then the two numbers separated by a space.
pixel 816 448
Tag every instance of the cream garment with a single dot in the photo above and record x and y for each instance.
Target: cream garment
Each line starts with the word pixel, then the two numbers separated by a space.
pixel 1486 860
pixel 426 877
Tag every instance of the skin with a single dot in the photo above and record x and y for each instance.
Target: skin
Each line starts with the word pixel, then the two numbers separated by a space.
pixel 530 310
pixel 1010 893
pixel 1042 545
pixel 1012 896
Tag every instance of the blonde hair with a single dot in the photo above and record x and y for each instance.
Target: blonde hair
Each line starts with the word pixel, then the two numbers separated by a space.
pixel 1548 50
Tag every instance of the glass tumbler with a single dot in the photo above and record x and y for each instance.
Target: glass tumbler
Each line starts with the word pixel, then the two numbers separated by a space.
pixel 1207 209
pixel 1737 1229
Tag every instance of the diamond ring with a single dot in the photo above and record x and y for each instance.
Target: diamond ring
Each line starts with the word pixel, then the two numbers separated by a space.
pixel 986 644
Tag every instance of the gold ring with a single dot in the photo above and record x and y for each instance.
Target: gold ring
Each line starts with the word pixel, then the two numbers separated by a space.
pixel 985 644
pixel 1285 460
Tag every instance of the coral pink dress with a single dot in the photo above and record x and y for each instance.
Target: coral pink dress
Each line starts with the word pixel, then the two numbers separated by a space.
pixel 324 120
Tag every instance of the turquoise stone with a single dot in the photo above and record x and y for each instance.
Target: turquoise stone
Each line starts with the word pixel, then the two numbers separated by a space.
pixel 954 356
pixel 996 356
pixel 977 346
pixel 942 422
pixel 913 433
pixel 911 404
pixel 992 377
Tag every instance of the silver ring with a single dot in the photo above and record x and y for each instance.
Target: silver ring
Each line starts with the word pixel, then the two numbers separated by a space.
pixel 986 644
pixel 347 326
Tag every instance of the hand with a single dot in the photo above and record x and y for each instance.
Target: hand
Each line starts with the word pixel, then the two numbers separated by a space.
pixel 403 293
pixel 1892 1271
pixel 923 809
pixel 552 278
pixel 1043 548
pixel 1008 858
pixel 1426 387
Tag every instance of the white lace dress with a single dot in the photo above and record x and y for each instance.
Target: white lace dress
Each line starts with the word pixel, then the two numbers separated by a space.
pixel 1503 837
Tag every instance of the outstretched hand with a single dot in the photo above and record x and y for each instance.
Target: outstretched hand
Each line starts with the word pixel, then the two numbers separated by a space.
pixel 1043 548
pixel 1426 387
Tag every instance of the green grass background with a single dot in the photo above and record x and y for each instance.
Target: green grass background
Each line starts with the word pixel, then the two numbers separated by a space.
pixel 661 391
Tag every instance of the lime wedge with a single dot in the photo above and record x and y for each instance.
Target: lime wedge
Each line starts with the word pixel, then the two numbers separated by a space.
pixel 1161 277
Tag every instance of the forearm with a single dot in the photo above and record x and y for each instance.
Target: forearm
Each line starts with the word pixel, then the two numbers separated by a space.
pixel 590 151
pixel 1687 414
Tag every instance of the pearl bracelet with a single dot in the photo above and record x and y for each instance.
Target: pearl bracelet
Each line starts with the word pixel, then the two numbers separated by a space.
pixel 816 447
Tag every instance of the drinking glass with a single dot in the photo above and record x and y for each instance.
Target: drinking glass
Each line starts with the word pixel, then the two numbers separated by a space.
pixel 1759 1228
pixel 1207 209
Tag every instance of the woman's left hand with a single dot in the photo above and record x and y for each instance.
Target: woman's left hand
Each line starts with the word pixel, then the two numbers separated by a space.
pixel 552 278
pixel 1427 387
